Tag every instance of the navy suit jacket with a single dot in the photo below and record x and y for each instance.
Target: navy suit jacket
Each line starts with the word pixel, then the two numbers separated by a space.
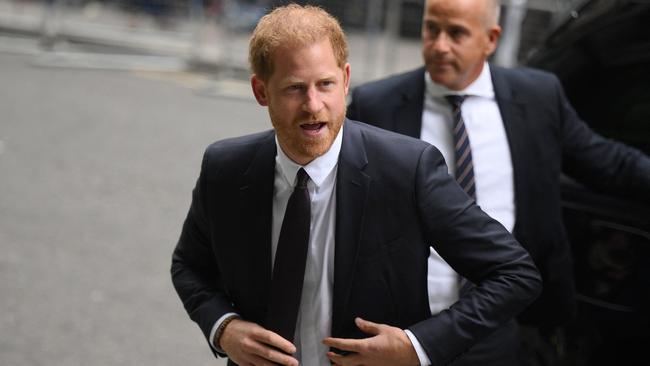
pixel 394 198
pixel 546 138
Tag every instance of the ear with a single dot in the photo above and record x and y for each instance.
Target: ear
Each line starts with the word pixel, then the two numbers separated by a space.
pixel 259 90
pixel 346 78
pixel 493 35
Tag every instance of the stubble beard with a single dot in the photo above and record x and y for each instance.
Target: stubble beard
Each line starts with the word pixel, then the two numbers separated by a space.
pixel 311 148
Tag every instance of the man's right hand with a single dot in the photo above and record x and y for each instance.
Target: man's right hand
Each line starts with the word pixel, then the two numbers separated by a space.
pixel 247 343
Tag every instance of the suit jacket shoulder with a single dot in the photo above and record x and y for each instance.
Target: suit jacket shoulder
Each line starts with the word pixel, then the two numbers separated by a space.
pixel 386 88
pixel 232 157
pixel 525 85
pixel 232 148
pixel 394 103
pixel 381 145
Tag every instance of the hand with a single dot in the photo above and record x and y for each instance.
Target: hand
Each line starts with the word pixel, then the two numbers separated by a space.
pixel 390 346
pixel 248 344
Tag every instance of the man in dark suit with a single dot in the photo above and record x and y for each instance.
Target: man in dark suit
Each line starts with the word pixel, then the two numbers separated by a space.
pixel 523 134
pixel 375 202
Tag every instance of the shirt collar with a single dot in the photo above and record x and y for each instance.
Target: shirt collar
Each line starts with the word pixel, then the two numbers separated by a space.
pixel 318 169
pixel 481 87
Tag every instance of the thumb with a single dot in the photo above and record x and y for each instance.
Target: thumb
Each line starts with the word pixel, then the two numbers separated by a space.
pixel 368 326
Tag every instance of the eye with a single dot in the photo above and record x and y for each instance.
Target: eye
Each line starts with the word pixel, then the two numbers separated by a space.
pixel 457 33
pixel 431 28
pixel 294 88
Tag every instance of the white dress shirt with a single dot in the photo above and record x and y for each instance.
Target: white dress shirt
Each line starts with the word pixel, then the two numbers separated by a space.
pixel 490 156
pixel 315 315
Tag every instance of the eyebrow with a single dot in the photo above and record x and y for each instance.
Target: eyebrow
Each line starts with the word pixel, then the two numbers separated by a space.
pixel 295 80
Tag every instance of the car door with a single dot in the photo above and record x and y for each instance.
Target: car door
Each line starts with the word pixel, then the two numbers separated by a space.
pixel 602 56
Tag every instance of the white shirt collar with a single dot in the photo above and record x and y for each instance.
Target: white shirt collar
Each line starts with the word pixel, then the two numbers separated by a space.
pixel 318 169
pixel 481 87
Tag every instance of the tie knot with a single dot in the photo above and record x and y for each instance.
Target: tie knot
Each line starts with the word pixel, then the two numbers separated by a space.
pixel 455 100
pixel 303 178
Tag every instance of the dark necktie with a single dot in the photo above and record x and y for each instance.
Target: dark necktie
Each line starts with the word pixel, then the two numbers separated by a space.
pixel 464 166
pixel 290 258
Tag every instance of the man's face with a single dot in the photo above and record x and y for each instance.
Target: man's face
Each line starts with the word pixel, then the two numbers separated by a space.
pixel 306 99
pixel 457 38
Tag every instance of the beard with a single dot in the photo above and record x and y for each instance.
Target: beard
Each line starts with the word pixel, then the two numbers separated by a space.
pixel 303 149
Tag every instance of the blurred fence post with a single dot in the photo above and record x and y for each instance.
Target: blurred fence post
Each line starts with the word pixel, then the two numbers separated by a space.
pixel 196 20
pixel 373 27
pixel 226 59
pixel 50 24
pixel 393 18
pixel 507 53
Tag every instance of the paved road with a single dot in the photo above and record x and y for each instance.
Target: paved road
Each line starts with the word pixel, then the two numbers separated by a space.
pixel 96 169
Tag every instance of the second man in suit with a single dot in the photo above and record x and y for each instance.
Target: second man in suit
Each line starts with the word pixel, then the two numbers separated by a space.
pixel 511 133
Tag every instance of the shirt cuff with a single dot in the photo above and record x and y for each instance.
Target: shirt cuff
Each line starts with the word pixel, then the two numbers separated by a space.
pixel 422 355
pixel 214 330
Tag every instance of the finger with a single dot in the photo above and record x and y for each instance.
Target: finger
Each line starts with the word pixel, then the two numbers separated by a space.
pixel 275 340
pixel 272 355
pixel 368 326
pixel 337 359
pixel 352 345
pixel 261 361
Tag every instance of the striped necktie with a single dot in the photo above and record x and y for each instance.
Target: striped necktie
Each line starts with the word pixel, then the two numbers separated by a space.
pixel 463 150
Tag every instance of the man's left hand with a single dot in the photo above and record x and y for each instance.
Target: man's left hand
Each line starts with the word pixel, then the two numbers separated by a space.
pixel 389 346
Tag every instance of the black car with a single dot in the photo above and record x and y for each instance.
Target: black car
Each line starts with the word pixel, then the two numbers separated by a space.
pixel 601 53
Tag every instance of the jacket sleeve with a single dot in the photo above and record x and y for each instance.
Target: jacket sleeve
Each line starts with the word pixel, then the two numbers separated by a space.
pixel 481 250
pixel 194 270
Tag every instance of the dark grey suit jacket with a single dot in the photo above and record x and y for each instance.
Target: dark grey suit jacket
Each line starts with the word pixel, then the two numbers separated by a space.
pixel 546 138
pixel 393 198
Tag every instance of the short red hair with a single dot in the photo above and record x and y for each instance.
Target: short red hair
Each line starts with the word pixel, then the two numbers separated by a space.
pixel 293 25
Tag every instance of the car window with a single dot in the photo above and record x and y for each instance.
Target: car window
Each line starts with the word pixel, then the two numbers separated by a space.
pixel 616 104
pixel 602 58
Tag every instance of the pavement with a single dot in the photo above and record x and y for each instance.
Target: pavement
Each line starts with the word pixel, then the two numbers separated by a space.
pixel 96 173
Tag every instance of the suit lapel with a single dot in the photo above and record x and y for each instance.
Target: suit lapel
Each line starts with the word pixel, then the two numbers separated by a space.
pixel 351 195
pixel 256 193
pixel 407 117
pixel 513 113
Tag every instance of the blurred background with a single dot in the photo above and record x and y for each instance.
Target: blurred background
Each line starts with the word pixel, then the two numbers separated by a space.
pixel 105 109
pixel 212 35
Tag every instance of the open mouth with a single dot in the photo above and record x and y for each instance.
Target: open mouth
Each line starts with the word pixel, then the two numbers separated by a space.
pixel 313 127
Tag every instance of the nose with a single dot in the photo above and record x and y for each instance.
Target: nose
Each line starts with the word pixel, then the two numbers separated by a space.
pixel 313 101
pixel 441 43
